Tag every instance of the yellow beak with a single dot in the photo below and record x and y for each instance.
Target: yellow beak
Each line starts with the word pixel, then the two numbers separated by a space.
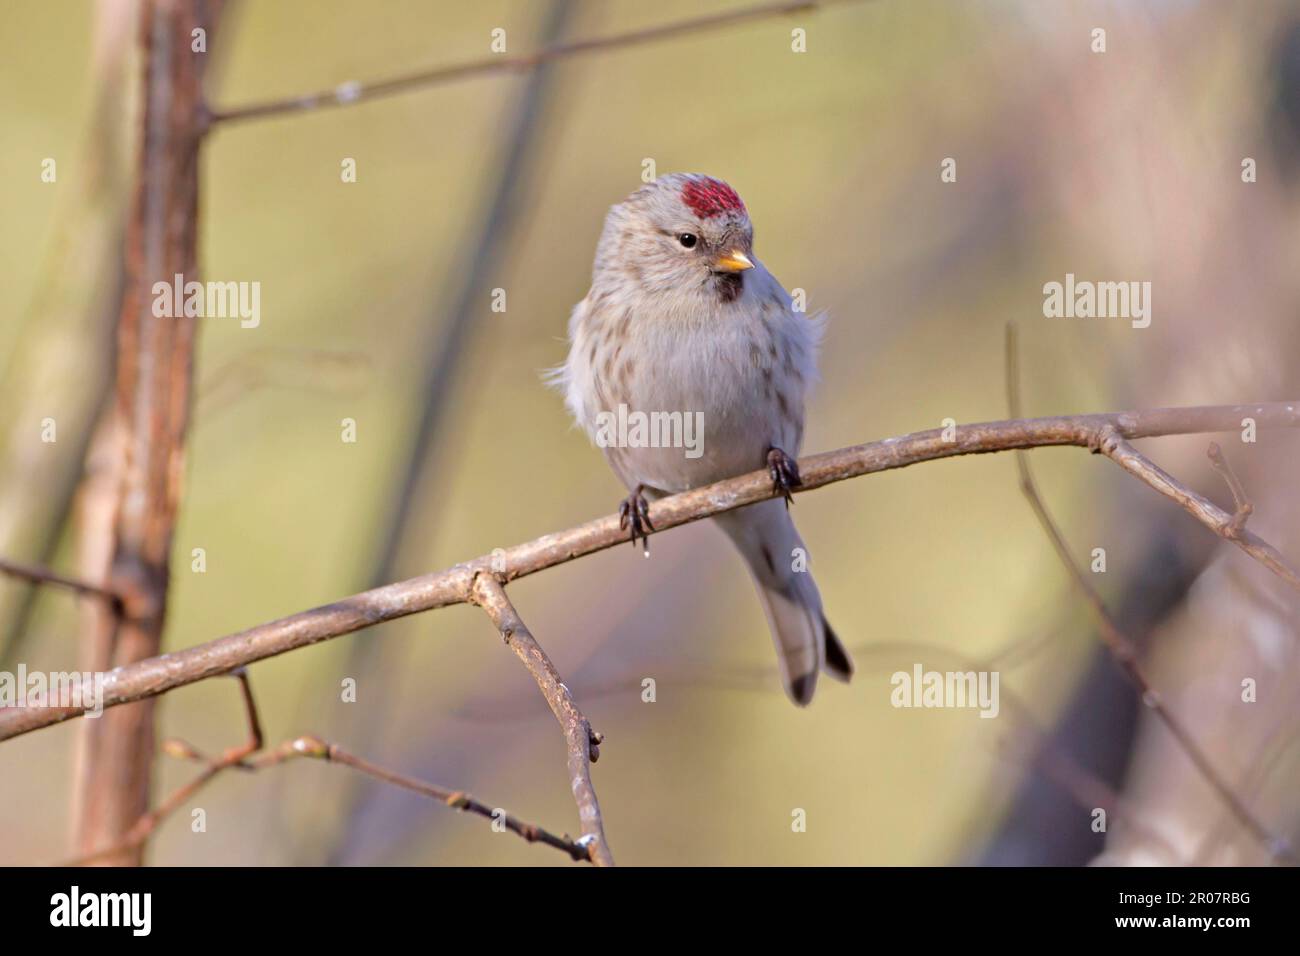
pixel 733 261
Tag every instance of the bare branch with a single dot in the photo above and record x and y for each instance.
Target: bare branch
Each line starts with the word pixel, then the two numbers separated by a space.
pixel 582 742
pixel 456 799
pixel 1125 654
pixel 140 831
pixel 1121 648
pixel 157 675
pixel 241 758
pixel 1240 502
pixel 39 575
pixel 351 93
pixel 1229 527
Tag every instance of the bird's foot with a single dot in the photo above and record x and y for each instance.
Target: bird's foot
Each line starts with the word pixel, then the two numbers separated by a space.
pixel 785 473
pixel 634 513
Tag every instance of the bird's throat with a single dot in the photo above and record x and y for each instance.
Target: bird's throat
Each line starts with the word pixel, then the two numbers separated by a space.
pixel 729 285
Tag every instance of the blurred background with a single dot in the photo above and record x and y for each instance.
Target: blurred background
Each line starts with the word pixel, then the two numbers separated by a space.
pixel 376 302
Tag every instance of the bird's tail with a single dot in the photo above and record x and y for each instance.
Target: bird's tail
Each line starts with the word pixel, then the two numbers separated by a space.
pixel 805 644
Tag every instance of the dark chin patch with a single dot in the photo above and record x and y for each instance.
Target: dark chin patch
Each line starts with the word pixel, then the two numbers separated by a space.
pixel 728 285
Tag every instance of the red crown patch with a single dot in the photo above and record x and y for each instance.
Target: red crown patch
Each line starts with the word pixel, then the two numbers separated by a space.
pixel 710 197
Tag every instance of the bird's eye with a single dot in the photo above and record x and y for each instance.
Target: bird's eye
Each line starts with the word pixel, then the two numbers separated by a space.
pixel 688 240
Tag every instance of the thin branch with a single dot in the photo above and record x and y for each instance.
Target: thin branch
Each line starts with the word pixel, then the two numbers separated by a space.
pixel 351 93
pixel 1229 527
pixel 242 758
pixel 38 575
pixel 582 742
pixel 140 831
pixel 1125 654
pixel 1121 648
pixel 1240 502
pixel 456 799
pixel 255 737
pixel 157 675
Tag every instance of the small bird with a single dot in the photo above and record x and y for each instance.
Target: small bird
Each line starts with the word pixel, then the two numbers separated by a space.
pixel 682 317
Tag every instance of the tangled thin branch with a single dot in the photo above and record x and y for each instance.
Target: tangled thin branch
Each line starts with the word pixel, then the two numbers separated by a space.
pixel 246 757
pixel 157 675
pixel 480 581
pixel 1119 645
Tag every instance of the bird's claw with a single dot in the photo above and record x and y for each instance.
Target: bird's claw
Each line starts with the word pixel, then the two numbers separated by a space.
pixel 634 512
pixel 785 473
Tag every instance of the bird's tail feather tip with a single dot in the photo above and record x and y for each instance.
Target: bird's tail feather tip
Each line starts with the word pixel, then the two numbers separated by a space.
pixel 838 663
pixel 801 689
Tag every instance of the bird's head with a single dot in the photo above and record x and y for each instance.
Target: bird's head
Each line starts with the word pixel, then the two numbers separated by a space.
pixel 684 234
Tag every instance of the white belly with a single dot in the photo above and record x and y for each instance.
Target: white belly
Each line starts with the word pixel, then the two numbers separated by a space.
pixel 726 386
pixel 683 401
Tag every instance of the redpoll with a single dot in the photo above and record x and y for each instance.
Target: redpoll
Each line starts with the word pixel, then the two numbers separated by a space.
pixel 687 365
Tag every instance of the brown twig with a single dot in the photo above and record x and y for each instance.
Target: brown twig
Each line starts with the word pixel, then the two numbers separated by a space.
pixel 242 758
pixel 140 831
pixel 1121 648
pixel 348 94
pixel 39 575
pixel 456 799
pixel 157 675
pixel 1243 507
pixel 581 741
pixel 1229 527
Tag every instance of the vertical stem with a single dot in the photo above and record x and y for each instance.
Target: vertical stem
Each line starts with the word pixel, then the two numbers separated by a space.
pixel 149 415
